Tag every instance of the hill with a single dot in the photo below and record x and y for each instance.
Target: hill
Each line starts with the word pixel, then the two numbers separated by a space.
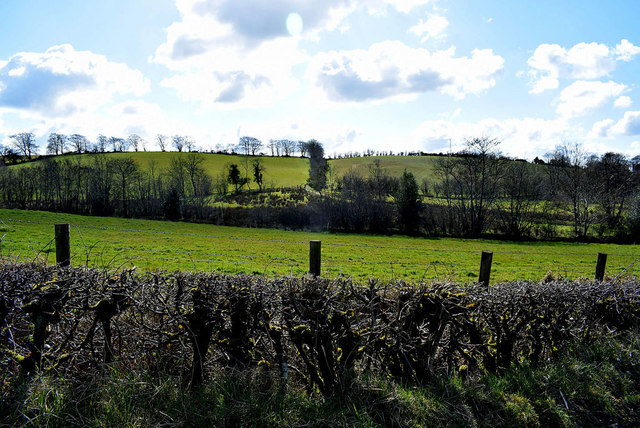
pixel 279 171
pixel 422 167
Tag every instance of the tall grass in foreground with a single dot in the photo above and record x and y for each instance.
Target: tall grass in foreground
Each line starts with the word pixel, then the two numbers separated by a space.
pixel 597 384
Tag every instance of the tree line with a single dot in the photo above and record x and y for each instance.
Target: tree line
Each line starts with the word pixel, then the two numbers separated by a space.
pixel 23 146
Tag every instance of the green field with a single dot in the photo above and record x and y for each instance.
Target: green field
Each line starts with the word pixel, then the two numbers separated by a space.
pixel 420 166
pixel 279 171
pixel 151 245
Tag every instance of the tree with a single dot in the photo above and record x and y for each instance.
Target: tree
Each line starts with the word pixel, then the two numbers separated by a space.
pixel 78 143
pixel 178 142
pixel 124 170
pixel 612 176
pixel 576 189
pixel 302 148
pixel 469 185
pixel 134 141
pixel 522 188
pixel 25 143
pixel 317 165
pixel 249 145
pixel 189 143
pixel 408 203
pixel 258 171
pixel 234 176
pixel 117 143
pixel 162 142
pixel 286 147
pixel 101 143
pixel 56 144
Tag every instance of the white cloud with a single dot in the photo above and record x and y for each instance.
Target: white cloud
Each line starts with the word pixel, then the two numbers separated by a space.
pixel 433 28
pixel 391 69
pixel 628 125
pixel 601 129
pixel 550 62
pixel 583 96
pixel 238 53
pixel 63 81
pixel 626 51
pixel 623 102
pixel 406 6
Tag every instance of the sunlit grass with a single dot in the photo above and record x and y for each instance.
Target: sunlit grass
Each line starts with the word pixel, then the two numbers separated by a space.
pixel 151 245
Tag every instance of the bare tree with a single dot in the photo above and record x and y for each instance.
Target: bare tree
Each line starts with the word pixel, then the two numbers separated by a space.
pixel 521 188
pixel 25 143
pixel 162 142
pixel 249 145
pixel 189 143
pixel 178 142
pixel 575 188
pixel 124 170
pixel 78 143
pixel 134 141
pixel 287 147
pixel 302 148
pixel 101 143
pixel 56 143
pixel 469 184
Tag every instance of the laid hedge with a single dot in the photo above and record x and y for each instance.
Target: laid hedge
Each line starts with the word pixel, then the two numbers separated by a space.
pixel 325 333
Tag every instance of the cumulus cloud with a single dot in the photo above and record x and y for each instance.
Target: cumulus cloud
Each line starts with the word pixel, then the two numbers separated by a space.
pixel 239 50
pixel 551 62
pixel 601 129
pixel 628 125
pixel 63 81
pixel 583 96
pixel 392 69
pixel 431 28
pixel 623 102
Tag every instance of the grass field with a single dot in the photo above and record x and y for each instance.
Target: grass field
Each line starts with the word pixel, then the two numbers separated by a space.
pixel 282 171
pixel 421 166
pixel 279 171
pixel 150 245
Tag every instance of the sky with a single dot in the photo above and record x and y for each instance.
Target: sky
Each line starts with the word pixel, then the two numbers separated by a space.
pixel 384 75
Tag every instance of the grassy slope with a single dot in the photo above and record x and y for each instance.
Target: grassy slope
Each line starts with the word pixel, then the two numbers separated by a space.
pixel 421 166
pixel 279 171
pixel 187 246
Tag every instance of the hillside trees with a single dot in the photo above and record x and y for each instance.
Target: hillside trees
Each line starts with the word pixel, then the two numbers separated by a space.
pixel 469 183
pixel 408 203
pixel 249 145
pixel 258 173
pixel 521 188
pixel 576 185
pixel 56 144
pixel 24 143
pixel 79 143
pixel 124 170
pixel 318 166
pixel 616 186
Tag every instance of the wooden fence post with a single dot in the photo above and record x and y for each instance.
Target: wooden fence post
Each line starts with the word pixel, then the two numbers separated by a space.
pixel 600 266
pixel 63 246
pixel 315 257
pixel 485 267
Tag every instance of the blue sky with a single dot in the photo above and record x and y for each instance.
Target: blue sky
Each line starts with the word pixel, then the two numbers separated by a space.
pixel 398 75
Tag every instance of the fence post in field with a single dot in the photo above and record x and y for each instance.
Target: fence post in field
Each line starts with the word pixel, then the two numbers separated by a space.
pixel 314 257
pixel 600 266
pixel 485 267
pixel 63 247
